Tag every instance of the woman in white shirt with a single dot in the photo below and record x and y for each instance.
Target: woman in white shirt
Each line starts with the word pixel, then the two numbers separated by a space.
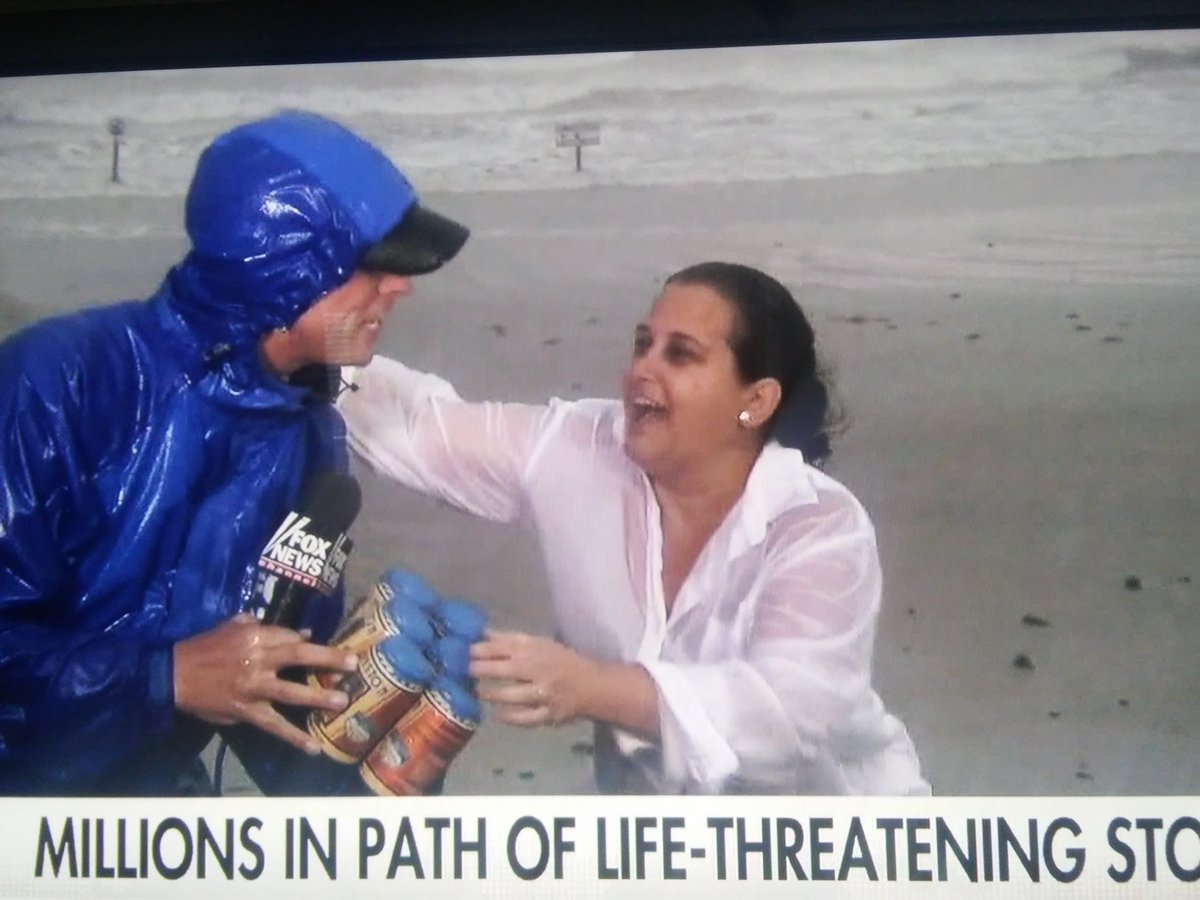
pixel 715 594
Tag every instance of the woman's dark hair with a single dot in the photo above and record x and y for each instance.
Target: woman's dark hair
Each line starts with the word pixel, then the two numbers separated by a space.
pixel 771 338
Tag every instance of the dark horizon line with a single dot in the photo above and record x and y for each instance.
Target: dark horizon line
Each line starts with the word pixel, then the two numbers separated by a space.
pixel 76 37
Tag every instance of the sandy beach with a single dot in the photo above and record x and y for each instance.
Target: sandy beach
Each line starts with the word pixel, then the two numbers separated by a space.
pixel 1015 349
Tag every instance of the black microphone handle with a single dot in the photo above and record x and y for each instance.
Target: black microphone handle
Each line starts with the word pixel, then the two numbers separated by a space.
pixel 287 605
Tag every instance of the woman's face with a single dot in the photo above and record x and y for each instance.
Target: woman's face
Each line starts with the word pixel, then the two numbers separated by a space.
pixel 681 390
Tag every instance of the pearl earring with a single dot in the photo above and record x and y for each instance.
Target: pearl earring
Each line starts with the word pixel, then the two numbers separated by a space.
pixel 744 418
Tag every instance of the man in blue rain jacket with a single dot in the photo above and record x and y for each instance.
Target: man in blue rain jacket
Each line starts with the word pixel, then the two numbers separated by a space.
pixel 148 449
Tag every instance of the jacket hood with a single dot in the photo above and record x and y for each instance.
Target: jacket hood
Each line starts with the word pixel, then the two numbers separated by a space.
pixel 280 212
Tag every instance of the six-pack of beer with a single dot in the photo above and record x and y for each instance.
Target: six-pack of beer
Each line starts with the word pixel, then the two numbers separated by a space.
pixel 412 702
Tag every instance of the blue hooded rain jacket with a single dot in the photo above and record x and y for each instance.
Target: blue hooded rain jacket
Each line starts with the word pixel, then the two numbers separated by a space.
pixel 147 455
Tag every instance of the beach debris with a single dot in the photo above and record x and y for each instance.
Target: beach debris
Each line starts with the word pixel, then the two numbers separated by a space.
pixel 1034 621
pixel 550 342
pixel 582 748
pixel 912 610
pixel 499 330
pixel 576 386
pixel 955 295
pixel 1054 714
pixel 1072 315
pixel 1084 775
pixel 861 319
pixel 1083 327
pixel 1122 702
pixel 591 320
pixel 526 775
pixel 498 771
pixel 1022 661
pixel 1184 579
pixel 1133 583
pixel 974 336
pixel 1122 324
pixel 906 649
pixel 1113 339
pixel 931 322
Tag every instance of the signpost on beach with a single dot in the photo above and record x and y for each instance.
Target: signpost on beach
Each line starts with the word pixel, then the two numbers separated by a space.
pixel 116 127
pixel 577 135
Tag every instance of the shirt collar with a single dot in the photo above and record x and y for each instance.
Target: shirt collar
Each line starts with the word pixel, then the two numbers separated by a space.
pixel 780 480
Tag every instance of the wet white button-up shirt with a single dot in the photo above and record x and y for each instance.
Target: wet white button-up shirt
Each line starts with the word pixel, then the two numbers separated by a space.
pixel 763 668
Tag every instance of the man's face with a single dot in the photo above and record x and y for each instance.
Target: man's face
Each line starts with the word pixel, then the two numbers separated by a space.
pixel 343 326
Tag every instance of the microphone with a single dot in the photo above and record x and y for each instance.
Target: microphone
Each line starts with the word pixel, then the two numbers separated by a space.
pixel 306 555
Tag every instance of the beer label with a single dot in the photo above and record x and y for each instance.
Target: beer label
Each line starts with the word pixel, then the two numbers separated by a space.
pixel 362 630
pixel 442 704
pixel 376 702
pixel 382 593
pixel 417 750
pixel 360 729
pixel 393 750
pixel 387 675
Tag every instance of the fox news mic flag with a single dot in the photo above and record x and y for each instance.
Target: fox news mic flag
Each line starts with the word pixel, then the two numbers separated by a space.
pixel 307 553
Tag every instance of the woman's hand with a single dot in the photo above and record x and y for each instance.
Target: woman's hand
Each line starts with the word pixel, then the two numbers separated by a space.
pixel 532 680
pixel 231 674
pixel 538 681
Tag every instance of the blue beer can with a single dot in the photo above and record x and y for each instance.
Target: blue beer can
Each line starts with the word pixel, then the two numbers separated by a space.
pixel 397 582
pixel 402 616
pixel 451 656
pixel 459 617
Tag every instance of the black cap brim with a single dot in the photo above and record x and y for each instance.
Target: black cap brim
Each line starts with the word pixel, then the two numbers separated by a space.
pixel 423 242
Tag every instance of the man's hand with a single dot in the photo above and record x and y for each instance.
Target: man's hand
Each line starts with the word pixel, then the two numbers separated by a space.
pixel 231 674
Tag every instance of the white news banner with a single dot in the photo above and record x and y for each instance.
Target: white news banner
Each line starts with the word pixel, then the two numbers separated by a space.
pixel 600 846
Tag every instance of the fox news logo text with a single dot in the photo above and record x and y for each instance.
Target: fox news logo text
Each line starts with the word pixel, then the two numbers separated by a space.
pixel 297 553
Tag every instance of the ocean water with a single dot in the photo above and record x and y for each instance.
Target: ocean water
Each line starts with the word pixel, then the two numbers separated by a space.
pixel 665 117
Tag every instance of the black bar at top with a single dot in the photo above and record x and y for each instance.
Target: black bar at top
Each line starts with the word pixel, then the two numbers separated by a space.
pixel 114 36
